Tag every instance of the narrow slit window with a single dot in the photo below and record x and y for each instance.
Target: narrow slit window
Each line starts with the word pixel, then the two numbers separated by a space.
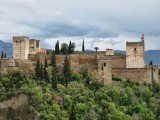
pixel 104 64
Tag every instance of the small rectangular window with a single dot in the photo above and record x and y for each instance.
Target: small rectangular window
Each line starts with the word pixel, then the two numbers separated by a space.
pixel 104 64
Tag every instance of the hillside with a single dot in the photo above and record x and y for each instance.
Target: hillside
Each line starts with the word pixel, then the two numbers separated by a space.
pixel 123 100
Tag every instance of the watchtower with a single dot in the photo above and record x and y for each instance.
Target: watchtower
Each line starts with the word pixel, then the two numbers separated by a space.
pixel 105 70
pixel 20 47
pixel 135 54
pixel 109 51
pixel 33 46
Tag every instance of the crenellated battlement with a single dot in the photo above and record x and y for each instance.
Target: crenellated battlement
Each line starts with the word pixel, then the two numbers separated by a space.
pixel 19 39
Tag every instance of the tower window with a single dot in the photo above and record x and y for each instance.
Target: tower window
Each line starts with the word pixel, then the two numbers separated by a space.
pixel 104 64
pixel 135 49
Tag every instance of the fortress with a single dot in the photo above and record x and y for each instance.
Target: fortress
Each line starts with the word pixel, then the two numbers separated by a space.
pixel 102 65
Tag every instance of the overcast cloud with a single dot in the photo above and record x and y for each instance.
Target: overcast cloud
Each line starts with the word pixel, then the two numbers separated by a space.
pixel 102 23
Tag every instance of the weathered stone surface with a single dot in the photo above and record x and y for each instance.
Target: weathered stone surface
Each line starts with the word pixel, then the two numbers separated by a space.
pixel 135 54
pixel 17 108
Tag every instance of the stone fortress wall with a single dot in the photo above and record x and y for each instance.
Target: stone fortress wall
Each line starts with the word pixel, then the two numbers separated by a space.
pixel 105 64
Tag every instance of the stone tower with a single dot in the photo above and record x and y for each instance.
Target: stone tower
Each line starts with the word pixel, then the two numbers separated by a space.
pixel 20 47
pixel 105 70
pixel 109 51
pixel 33 46
pixel 135 54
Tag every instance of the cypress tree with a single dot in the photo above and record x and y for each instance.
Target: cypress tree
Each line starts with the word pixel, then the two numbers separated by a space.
pixel 41 72
pixel 37 69
pixel 66 71
pixel 83 49
pixel 70 47
pixel 57 47
pixel 54 70
pixel 72 115
pixel 2 55
pixel 5 55
pixel 45 71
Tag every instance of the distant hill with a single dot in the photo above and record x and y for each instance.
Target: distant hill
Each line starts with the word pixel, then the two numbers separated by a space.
pixel 6 47
pixel 153 55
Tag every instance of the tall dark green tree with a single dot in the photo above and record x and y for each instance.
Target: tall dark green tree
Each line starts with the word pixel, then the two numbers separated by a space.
pixel 5 55
pixel 38 69
pixel 45 71
pixel 54 70
pixel 41 72
pixel 70 49
pixel 83 49
pixel 72 115
pixel 57 48
pixel 66 71
pixel 73 45
pixel 2 56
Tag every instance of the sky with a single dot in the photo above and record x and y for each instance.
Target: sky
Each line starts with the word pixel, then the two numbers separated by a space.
pixel 101 23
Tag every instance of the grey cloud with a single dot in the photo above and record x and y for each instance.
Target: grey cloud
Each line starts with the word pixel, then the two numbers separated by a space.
pixel 90 19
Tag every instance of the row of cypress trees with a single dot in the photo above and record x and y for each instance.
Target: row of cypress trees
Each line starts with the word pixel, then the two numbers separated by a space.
pixel 42 73
pixel 70 48
pixel 3 55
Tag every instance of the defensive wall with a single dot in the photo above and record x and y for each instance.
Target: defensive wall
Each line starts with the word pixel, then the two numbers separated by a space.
pixel 137 74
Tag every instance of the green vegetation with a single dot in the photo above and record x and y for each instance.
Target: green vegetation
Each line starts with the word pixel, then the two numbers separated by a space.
pixel 67 49
pixel 124 100
pixel 58 94
pixel 3 55
pixel 96 48
pixel 118 53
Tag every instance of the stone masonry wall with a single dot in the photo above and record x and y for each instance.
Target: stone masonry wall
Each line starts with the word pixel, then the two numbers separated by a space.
pixel 137 74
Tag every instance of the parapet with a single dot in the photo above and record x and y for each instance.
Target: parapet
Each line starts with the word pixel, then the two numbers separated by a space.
pixel 109 51
pixel 140 43
pixel 19 38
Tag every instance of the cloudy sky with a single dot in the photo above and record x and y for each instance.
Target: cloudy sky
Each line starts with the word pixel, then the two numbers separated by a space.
pixel 102 23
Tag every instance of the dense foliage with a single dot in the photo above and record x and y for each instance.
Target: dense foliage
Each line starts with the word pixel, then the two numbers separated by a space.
pixel 124 100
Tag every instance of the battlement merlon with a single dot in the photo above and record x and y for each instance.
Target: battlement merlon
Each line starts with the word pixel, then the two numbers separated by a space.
pixel 32 40
pixel 20 38
pixel 141 43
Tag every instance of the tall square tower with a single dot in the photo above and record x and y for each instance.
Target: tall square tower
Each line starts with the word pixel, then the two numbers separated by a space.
pixel 135 54
pixel 20 47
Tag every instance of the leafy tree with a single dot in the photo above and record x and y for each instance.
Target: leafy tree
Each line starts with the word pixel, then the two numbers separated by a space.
pixel 96 48
pixel 73 45
pixel 64 48
pixel 66 71
pixel 57 48
pixel 83 48
pixel 38 69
